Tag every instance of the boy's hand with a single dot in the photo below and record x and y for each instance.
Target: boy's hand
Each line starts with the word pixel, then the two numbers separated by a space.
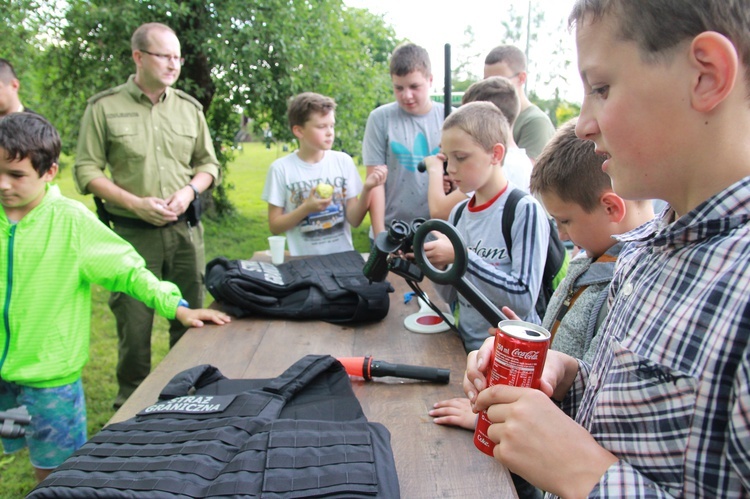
pixel 439 252
pixel 314 204
pixel 377 176
pixel 434 164
pixel 448 185
pixel 454 412
pixel 196 317
pixel 558 375
pixel 533 438
pixel 477 370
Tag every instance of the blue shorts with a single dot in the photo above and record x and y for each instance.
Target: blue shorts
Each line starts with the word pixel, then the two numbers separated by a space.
pixel 58 421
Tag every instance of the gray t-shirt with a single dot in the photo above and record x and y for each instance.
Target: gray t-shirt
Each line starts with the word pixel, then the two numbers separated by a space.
pixel 400 141
pixel 503 280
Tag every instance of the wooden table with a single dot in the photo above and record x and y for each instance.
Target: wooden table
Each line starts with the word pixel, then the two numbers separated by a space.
pixel 432 460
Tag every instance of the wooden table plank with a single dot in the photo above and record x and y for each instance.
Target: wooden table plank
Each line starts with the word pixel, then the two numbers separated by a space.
pixel 432 460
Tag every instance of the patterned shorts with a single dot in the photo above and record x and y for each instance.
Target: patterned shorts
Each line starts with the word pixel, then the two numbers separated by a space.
pixel 58 421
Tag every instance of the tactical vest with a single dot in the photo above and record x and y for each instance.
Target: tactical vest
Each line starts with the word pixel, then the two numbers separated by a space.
pixel 302 434
pixel 331 288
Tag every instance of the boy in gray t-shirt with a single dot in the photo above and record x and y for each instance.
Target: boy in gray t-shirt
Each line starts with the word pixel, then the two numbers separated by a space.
pixel 399 135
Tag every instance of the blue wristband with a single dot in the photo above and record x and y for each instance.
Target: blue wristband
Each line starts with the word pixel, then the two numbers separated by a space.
pixel 183 303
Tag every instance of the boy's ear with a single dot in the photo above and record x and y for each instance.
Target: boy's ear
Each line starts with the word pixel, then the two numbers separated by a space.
pixel 613 205
pixel 50 174
pixel 498 153
pixel 297 131
pixel 715 58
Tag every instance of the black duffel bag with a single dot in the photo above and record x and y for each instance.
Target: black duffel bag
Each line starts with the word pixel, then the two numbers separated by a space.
pixel 331 288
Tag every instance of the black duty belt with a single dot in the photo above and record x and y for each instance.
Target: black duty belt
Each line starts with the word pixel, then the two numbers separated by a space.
pixel 192 215
pixel 137 223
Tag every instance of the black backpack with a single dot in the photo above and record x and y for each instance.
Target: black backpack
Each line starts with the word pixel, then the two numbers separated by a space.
pixel 303 434
pixel 331 288
pixel 556 264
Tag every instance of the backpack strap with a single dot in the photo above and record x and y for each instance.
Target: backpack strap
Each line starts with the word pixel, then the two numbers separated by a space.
pixel 567 303
pixel 459 211
pixel 509 215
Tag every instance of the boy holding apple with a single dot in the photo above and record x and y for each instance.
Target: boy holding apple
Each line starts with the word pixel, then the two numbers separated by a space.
pixel 312 193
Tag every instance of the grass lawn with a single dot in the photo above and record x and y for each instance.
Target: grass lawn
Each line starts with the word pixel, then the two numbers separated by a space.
pixel 235 237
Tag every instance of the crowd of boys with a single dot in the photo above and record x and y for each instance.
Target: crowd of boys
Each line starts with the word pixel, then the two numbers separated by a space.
pixel 647 384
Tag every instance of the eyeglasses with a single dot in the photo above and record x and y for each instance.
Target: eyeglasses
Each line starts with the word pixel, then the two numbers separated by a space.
pixel 165 57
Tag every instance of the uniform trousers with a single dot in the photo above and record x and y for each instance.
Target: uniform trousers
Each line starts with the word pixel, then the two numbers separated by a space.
pixel 174 253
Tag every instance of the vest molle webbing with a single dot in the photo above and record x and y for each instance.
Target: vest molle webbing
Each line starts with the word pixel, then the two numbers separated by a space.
pixel 302 434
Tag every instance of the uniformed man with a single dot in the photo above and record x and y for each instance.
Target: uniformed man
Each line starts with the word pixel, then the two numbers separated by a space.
pixel 9 85
pixel 155 143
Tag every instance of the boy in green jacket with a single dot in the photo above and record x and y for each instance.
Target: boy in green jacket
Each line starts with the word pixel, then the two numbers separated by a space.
pixel 51 250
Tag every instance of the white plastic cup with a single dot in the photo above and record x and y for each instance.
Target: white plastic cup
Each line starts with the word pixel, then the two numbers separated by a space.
pixel 277 248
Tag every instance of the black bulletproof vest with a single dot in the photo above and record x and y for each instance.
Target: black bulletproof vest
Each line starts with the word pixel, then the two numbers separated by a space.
pixel 302 434
pixel 331 288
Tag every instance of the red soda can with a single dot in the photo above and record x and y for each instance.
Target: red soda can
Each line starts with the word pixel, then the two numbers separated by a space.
pixel 518 360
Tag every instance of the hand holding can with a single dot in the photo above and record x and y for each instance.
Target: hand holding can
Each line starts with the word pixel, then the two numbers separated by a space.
pixel 518 360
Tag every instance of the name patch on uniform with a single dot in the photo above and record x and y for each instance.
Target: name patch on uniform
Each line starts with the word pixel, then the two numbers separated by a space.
pixel 193 404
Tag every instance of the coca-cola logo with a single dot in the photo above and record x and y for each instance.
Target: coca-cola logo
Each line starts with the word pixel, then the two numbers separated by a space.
pixel 526 355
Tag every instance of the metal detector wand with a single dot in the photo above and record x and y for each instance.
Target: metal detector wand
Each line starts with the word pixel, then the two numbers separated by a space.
pixel 447 99
pixel 454 274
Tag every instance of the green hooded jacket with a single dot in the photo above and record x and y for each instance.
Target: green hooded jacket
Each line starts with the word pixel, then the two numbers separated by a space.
pixel 48 261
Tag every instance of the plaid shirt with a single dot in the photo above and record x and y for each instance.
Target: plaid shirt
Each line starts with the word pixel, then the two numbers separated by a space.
pixel 669 389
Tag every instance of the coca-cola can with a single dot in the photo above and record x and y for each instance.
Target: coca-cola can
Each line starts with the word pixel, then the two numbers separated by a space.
pixel 518 360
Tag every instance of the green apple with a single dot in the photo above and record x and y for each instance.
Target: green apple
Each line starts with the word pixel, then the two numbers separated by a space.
pixel 324 190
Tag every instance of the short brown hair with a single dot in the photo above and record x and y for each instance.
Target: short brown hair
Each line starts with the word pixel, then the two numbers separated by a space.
pixel 484 122
pixel 140 41
pixel 570 168
pixel 510 55
pixel 658 27
pixel 409 57
pixel 29 135
pixel 303 105
pixel 498 90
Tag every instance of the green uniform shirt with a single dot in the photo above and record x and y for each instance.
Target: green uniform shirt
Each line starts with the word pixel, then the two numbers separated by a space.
pixel 532 130
pixel 148 149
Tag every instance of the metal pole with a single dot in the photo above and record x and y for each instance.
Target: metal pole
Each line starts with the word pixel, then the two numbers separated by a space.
pixel 447 94
pixel 528 39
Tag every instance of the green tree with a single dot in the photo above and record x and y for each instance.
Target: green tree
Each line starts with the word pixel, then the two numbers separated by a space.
pixel 241 57
pixel 20 22
pixel 461 74
pixel 525 28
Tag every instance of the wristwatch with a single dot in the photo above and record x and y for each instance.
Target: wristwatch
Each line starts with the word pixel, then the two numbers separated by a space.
pixel 183 303
pixel 195 190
